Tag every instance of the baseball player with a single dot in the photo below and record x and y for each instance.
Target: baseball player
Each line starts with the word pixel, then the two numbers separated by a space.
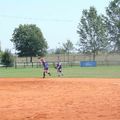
pixel 59 69
pixel 45 67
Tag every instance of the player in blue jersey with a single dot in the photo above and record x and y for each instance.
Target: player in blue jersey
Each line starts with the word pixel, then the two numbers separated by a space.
pixel 59 69
pixel 45 67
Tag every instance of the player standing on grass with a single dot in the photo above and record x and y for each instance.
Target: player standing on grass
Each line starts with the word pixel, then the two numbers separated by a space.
pixel 59 69
pixel 45 67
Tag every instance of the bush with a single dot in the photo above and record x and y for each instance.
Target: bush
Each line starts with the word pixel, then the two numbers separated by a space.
pixel 0 56
pixel 7 59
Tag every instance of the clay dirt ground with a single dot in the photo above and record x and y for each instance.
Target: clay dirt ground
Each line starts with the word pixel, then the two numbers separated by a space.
pixel 59 99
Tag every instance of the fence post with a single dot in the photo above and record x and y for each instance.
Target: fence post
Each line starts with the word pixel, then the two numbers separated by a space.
pixel 32 64
pixel 24 64
pixel 37 65
pixel 15 65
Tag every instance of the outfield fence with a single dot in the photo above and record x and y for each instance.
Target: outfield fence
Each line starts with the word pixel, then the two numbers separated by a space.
pixel 68 60
pixel 38 65
pixel 72 57
pixel 64 64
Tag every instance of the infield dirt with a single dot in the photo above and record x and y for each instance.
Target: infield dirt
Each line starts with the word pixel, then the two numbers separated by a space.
pixel 59 99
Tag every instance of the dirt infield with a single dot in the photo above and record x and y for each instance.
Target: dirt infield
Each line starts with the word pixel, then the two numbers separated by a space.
pixel 59 99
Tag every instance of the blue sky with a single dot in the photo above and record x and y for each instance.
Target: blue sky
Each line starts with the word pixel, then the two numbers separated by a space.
pixel 57 19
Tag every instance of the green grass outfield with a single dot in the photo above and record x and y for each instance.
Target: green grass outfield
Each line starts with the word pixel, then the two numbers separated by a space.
pixel 71 72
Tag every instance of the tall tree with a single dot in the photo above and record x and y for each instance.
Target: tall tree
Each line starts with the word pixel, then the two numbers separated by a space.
pixel 0 46
pixel 68 47
pixel 92 32
pixel 29 41
pixel 59 51
pixel 113 23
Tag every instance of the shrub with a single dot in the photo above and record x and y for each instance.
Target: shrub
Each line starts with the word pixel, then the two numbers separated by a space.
pixel 7 58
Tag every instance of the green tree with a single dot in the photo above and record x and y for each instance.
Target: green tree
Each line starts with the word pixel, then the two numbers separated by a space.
pixel 7 58
pixel 0 56
pixel 29 41
pixel 92 31
pixel 68 47
pixel 1 53
pixel 113 23
pixel 59 51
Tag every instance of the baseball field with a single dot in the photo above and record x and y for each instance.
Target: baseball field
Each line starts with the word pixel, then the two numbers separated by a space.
pixel 81 94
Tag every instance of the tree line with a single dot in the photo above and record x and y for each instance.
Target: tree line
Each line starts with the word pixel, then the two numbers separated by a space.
pixel 100 32
pixel 97 33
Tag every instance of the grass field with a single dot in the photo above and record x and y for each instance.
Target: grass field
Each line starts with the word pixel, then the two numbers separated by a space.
pixel 69 72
